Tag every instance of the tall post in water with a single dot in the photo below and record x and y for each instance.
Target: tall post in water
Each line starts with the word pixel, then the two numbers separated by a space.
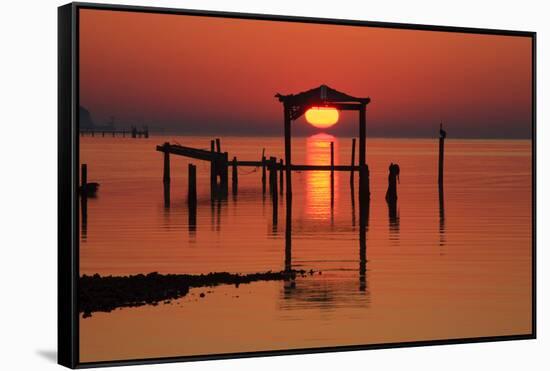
pixel 166 174
pixel 218 145
pixel 263 170
pixel 288 154
pixel 272 175
pixel 83 176
pixel 234 176
pixel 213 171
pixel 331 176
pixel 224 176
pixel 281 177
pixel 442 136
pixel 352 172
pixel 364 191
pixel 192 187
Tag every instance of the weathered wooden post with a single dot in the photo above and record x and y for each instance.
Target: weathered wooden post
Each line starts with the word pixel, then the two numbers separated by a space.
pixel 288 154
pixel 281 172
pixel 442 136
pixel 393 176
pixel 352 172
pixel 192 187
pixel 224 173
pixel 213 171
pixel 83 177
pixel 263 170
pixel 273 189
pixel 272 175
pixel 234 176
pixel 364 191
pixel 166 174
pixel 218 145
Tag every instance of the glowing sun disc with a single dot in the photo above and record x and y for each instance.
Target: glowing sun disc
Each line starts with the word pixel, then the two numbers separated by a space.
pixel 322 117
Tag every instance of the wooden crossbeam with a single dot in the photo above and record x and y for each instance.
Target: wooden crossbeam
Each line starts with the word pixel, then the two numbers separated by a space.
pixel 195 153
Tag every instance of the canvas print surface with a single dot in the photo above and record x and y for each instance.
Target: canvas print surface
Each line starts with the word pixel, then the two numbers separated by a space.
pixel 253 185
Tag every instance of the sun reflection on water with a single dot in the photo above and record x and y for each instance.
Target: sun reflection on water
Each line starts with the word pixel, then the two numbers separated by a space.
pixel 318 183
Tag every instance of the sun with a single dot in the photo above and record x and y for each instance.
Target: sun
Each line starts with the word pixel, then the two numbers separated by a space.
pixel 322 117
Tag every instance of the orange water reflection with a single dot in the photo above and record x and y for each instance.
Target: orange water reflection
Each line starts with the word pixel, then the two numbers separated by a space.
pixel 321 190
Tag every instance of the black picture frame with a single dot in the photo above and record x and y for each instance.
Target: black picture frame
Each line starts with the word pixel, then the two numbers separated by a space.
pixel 68 175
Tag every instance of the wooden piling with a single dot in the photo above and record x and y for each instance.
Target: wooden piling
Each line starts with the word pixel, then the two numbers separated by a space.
pixel 166 175
pixel 192 186
pixel 272 175
pixel 213 172
pixel 288 154
pixel 234 175
pixel 83 177
pixel 218 145
pixel 352 171
pixel 364 191
pixel 442 135
pixel 281 177
pixel 263 170
pixel 224 173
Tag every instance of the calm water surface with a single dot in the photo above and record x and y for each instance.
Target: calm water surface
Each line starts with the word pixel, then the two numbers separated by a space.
pixel 434 271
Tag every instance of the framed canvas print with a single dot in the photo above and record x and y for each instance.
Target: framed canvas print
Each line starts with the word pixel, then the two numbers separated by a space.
pixel 235 185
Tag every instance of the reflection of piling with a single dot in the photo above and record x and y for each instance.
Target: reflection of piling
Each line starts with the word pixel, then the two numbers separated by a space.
pixel 332 173
pixel 363 223
pixel 288 235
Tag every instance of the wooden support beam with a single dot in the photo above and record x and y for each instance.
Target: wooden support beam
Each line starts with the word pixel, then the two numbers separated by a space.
pixel 218 145
pixel 364 192
pixel 281 172
pixel 288 153
pixel 224 173
pixel 352 171
pixel 441 159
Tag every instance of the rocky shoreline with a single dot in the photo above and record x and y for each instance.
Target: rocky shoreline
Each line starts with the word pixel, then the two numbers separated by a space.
pixel 104 293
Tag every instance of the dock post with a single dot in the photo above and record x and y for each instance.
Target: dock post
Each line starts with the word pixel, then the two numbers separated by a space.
pixel 352 172
pixel 218 145
pixel 166 175
pixel 234 176
pixel 83 177
pixel 272 175
pixel 224 175
pixel 213 171
pixel 442 136
pixel 281 177
pixel 263 171
pixel 192 187
pixel 364 192
pixel 288 154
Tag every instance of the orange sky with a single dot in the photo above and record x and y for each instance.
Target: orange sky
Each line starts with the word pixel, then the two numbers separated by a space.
pixel 213 75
